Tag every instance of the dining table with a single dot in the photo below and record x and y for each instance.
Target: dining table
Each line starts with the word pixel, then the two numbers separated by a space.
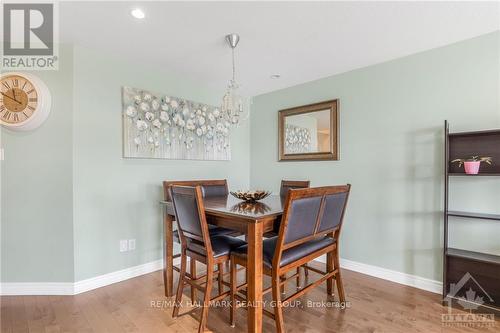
pixel 250 218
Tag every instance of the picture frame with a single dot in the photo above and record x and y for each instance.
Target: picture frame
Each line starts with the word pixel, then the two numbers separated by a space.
pixel 309 132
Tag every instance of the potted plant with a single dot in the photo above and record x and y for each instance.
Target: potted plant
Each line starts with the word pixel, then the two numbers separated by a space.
pixel 472 163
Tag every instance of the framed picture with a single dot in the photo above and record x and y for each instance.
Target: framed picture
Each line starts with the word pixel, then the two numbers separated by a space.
pixel 309 132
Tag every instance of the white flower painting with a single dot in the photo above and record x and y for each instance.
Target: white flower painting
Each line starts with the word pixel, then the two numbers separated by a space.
pixel 297 139
pixel 167 127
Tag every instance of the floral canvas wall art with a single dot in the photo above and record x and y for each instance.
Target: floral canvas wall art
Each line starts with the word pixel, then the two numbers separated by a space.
pixel 167 127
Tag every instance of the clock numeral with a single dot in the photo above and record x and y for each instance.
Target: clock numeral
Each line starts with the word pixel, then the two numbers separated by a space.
pixel 25 115
pixel 33 99
pixel 6 85
pixel 7 115
pixel 16 117
pixel 31 108
pixel 24 85
pixel 2 108
pixel 15 83
pixel 31 91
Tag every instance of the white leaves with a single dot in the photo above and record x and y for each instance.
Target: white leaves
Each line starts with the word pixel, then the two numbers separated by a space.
pixel 155 105
pixel 149 116
pixel 141 125
pixel 201 120
pixel 190 125
pixel 131 111
pixel 144 107
pixel 157 123
pixel 164 116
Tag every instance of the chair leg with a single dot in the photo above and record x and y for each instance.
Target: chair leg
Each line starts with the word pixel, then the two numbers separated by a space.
pixel 278 312
pixel 220 278
pixel 283 286
pixel 298 278
pixel 192 264
pixel 330 283
pixel 206 298
pixel 180 287
pixel 234 284
pixel 306 271
pixel 338 277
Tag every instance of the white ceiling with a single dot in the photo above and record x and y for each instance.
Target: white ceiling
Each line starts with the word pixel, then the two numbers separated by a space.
pixel 299 40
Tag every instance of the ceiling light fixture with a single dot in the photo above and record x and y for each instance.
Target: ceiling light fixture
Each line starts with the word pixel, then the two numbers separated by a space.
pixel 232 102
pixel 138 13
pixel 275 76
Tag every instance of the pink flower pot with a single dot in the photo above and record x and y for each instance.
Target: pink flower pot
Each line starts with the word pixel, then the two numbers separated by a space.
pixel 472 168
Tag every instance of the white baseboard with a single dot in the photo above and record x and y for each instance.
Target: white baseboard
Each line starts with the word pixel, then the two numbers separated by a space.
pixel 117 276
pixel 68 288
pixel 36 288
pixel 390 275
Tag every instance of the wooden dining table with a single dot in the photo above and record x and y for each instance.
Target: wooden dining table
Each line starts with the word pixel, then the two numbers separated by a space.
pixel 252 219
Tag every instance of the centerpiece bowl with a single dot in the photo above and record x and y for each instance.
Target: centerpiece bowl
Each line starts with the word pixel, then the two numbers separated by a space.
pixel 250 196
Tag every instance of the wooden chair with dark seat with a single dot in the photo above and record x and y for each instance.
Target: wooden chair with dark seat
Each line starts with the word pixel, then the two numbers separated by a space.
pixel 292 184
pixel 198 244
pixel 287 185
pixel 310 228
pixel 209 188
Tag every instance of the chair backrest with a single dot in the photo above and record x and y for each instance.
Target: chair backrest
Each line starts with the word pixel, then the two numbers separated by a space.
pixel 292 184
pixel 190 215
pixel 311 213
pixel 209 187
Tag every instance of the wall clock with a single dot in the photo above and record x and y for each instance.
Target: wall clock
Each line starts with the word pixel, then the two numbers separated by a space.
pixel 24 101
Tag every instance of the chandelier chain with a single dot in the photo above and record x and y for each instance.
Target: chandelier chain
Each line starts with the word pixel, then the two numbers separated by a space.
pixel 234 67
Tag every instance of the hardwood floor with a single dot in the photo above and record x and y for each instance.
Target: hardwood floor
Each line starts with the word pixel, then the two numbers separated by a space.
pixel 138 305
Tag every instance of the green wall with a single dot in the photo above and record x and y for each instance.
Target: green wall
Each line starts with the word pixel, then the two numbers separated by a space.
pixel 117 198
pixel 37 192
pixel 391 147
pixel 68 196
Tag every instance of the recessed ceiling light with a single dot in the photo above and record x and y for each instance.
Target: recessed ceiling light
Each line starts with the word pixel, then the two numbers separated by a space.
pixel 275 76
pixel 138 13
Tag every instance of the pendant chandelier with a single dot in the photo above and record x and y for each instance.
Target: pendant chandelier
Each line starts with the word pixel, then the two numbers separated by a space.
pixel 232 102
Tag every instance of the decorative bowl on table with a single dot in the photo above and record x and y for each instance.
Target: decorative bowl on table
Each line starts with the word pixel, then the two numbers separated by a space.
pixel 249 207
pixel 250 196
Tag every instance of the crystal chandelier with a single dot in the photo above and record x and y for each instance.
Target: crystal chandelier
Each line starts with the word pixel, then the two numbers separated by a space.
pixel 232 102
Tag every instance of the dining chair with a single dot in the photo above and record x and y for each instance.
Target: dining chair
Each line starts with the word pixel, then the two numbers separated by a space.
pixel 200 245
pixel 287 185
pixel 292 184
pixel 311 225
pixel 209 188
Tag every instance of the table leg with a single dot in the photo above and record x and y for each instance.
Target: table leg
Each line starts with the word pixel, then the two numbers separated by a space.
pixel 168 255
pixel 254 277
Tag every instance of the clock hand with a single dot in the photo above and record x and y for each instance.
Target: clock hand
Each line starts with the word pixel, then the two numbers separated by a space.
pixel 15 100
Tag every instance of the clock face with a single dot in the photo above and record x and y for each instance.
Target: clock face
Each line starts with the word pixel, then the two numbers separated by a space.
pixel 18 100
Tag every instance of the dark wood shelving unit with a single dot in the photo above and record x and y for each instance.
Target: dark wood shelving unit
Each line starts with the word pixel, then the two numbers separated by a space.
pixel 495 217
pixel 462 174
pixel 483 267
pixel 477 256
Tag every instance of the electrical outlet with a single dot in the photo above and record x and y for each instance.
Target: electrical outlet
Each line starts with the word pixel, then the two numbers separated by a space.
pixel 131 244
pixel 123 245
